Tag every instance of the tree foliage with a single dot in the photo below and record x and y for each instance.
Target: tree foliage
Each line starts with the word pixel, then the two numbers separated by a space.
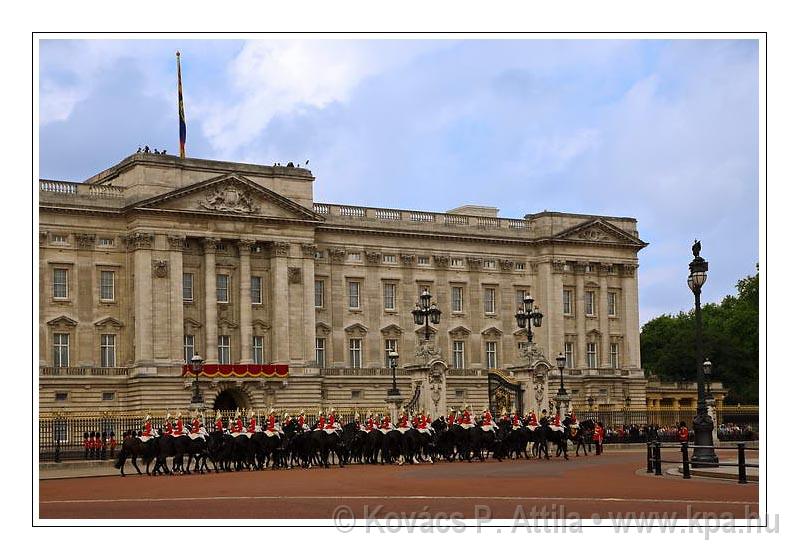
pixel 730 341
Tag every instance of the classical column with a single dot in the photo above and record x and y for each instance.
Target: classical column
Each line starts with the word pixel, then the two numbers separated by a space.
pixel 338 308
pixel 309 310
pixel 605 351
pixel 630 287
pixel 210 250
pixel 280 302
pixel 142 244
pixel 245 300
pixel 176 244
pixel 580 313
pixel 85 350
pixel 551 279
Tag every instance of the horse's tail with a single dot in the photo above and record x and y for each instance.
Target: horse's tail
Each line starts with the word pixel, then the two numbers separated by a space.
pixel 123 456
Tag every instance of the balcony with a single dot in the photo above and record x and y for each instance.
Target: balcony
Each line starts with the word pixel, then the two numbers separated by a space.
pixel 47 371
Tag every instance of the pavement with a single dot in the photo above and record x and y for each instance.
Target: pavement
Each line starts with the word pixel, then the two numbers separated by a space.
pixel 597 487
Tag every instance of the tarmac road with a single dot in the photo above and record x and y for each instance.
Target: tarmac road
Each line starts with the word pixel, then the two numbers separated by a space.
pixel 610 485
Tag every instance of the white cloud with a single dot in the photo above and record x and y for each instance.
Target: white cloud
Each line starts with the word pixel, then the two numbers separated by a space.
pixel 271 78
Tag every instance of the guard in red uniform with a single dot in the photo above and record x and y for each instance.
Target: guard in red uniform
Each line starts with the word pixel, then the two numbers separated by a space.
pixel 532 419
pixel 98 445
pixel 515 424
pixel 385 423
pixel 683 433
pixel 557 420
pixel 466 416
pixel 86 445
pixel 597 437
pixel 321 421
pixel 487 418
pixel 301 420
pixel 112 445
pixel 287 419
pixel 251 425
pixel 271 421
pixel 196 424
pixel 178 426
pixel 168 425
pixel 218 425
pixel 238 425
pixel 148 427
pixel 403 421
pixel 331 420
pixel 422 424
pixel 370 423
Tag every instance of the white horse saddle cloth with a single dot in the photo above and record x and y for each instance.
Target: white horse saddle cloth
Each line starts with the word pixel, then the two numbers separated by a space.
pixel 330 430
pixel 488 428
pixel 557 428
pixel 385 430
pixel 403 430
pixel 272 433
pixel 146 438
pixel 198 435
pixel 424 430
pixel 237 434
pixel 531 428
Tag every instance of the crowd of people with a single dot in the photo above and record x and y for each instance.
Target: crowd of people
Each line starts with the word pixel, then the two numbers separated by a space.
pixel 635 433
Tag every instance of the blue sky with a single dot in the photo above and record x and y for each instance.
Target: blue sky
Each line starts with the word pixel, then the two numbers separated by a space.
pixel 663 131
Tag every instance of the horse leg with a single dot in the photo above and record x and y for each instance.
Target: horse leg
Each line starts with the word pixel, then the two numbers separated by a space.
pixel 135 465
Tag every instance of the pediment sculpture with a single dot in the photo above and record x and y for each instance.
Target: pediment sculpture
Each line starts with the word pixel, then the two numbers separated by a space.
pixel 229 198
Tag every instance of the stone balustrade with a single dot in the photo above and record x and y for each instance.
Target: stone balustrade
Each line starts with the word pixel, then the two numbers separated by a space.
pixel 65 188
pixel 47 371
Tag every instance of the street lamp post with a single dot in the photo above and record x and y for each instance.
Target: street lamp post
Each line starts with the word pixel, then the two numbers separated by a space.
pixel 394 391
pixel 528 316
pixel 424 310
pixel 590 402
pixel 562 398
pixel 703 424
pixel 197 366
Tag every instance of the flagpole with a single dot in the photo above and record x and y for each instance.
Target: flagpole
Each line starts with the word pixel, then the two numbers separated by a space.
pixel 181 117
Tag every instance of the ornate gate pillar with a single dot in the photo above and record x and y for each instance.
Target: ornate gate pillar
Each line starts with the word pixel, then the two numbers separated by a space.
pixel 534 376
pixel 432 381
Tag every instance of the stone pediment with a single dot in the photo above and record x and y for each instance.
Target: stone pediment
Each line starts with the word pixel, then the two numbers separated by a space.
pixel 323 329
pixel 229 195
pixel 259 324
pixel 356 329
pixel 460 331
pixel 391 330
pixel 492 332
pixel 62 321
pixel 599 231
pixel 108 322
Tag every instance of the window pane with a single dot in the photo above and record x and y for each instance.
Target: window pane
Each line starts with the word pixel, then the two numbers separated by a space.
pixel 258 349
pixel 355 352
pixel 108 350
pixel 568 354
pixel 567 302
pixel 224 349
pixel 457 298
pixel 255 289
pixel 61 350
pixel 319 290
pixel 320 351
pixel 188 286
pixel 354 295
pixel 389 291
pixel 612 303
pixel 488 300
pixel 589 299
pixel 391 345
pixel 188 347
pixel 222 288
pixel 458 354
pixel 59 282
pixel 107 285
pixel 491 354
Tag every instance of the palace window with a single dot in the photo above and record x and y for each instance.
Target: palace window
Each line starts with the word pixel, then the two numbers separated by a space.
pixel 258 349
pixel 519 266
pixel 424 260
pixel 391 346
pixel 223 281
pixel 591 355
pixel 188 348
pixel 61 350
pixel 319 293
pixel 108 350
pixel 60 283
pixel 355 352
pixel 356 394
pixel 569 355
pixel 521 297
pixel 59 239
pixel 389 293
pixel 567 302
pixel 390 259
pixel 457 299
pixel 614 353
pixel 255 291
pixel 354 257
pixel 612 304
pixel 489 300
pixel 188 287
pixel 61 396
pixel 106 285
pixel 458 354
pixel 491 354
pixel 108 396
pixel 589 301
pixel 457 262
pixel 106 242
pixel 490 264
pixel 354 294
pixel 224 349
pixel 319 349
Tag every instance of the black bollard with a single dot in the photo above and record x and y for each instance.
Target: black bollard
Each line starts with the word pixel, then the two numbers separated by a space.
pixel 685 455
pixel 657 457
pixel 742 468
pixel 649 456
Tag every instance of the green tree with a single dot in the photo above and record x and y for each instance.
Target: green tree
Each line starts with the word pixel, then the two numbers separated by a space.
pixel 730 341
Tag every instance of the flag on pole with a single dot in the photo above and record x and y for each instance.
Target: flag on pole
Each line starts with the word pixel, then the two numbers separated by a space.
pixel 181 117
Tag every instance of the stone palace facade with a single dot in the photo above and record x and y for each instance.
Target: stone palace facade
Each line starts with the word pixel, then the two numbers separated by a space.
pixel 295 304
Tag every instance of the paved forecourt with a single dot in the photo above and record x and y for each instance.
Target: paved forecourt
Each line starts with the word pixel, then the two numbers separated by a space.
pixel 607 486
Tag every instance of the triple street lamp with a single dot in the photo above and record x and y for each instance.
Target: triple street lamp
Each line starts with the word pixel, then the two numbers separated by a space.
pixel 196 363
pixel 703 424
pixel 425 310
pixel 527 316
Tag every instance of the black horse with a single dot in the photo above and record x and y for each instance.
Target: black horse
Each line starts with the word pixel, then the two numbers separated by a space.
pixel 133 448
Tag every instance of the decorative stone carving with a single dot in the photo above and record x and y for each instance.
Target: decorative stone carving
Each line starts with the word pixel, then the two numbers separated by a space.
pixel 176 242
pixel 580 267
pixel 85 240
pixel 426 351
pixel 629 269
pixel 140 240
pixel 245 245
pixel 294 275
pixel 309 249
pixel 475 263
pixel 337 255
pixel 407 260
pixel 435 378
pixel 506 264
pixel 373 257
pixel 229 198
pixel 593 234
pixel 441 261
pixel 280 249
pixel 605 269
pixel 210 244
pixel 43 237
pixel 531 353
pixel 558 266
pixel 160 268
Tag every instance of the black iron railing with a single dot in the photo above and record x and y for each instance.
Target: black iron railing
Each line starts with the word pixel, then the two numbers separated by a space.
pixel 655 461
